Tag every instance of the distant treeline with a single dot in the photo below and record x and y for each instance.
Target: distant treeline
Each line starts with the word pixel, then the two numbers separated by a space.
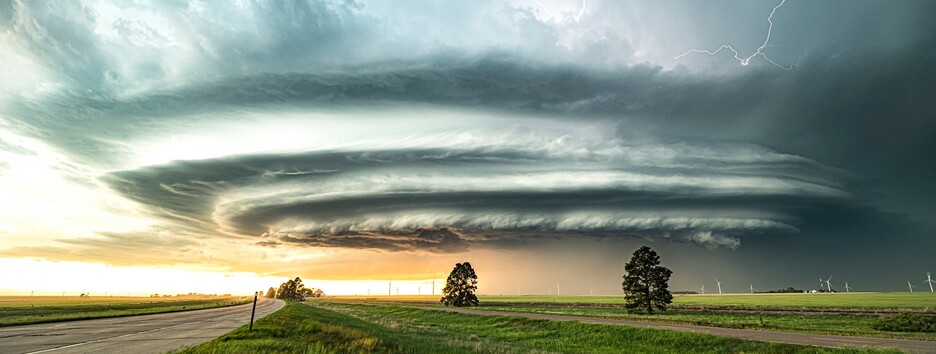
pixel 190 295
pixel 787 290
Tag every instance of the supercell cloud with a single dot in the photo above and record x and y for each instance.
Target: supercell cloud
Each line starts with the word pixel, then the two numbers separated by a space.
pixel 204 133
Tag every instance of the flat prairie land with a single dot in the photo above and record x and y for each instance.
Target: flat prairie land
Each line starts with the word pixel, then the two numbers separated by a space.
pixel 19 310
pixel 334 327
pixel 855 314
pixel 917 300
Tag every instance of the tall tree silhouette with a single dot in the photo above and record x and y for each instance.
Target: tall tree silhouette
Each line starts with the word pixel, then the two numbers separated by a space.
pixel 460 286
pixel 645 282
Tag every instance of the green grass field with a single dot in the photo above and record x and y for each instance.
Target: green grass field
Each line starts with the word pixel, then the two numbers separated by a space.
pixel 18 310
pixel 800 312
pixel 325 327
pixel 841 324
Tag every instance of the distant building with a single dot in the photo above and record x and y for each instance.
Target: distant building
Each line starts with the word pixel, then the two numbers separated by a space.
pixel 318 293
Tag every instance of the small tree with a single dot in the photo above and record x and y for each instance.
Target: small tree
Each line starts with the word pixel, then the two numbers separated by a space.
pixel 292 290
pixel 645 282
pixel 271 293
pixel 460 287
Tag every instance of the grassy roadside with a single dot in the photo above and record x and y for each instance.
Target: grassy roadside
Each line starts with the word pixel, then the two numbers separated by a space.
pixel 324 327
pixel 55 309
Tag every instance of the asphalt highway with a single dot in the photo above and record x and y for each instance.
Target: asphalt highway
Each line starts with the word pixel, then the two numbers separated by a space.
pixel 155 333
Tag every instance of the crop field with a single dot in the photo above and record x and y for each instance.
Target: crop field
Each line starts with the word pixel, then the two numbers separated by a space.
pixel 18 310
pixel 330 327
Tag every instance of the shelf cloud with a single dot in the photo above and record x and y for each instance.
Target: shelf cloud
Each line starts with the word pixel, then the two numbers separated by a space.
pixel 228 134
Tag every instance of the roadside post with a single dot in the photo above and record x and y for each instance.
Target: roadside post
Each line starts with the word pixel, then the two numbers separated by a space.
pixel 253 311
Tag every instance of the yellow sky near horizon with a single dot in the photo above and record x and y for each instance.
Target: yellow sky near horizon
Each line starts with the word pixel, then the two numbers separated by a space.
pixel 40 277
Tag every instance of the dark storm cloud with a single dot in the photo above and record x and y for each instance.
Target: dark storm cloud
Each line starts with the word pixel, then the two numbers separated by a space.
pixel 404 199
pixel 836 152
pixel 422 239
pixel 828 106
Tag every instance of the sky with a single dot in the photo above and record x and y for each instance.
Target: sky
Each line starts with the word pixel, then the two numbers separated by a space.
pixel 354 143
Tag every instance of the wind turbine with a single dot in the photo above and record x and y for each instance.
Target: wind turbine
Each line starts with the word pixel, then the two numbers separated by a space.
pixel 847 288
pixel 752 288
pixel 719 285
pixel 557 289
pixel 910 285
pixel 929 279
pixel 703 289
pixel 828 285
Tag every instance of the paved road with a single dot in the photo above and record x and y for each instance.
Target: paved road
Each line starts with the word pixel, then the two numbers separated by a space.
pixel 822 340
pixel 156 333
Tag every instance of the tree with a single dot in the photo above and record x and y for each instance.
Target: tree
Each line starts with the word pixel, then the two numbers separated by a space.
pixel 292 290
pixel 271 293
pixel 645 282
pixel 460 287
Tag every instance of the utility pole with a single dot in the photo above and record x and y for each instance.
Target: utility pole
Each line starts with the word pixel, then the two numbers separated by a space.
pixel 253 310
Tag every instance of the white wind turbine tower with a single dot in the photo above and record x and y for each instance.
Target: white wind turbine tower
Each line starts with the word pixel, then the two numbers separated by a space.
pixel 828 285
pixel 929 279
pixel 719 285
pixel 752 288
pixel 847 288
pixel 703 289
pixel 910 286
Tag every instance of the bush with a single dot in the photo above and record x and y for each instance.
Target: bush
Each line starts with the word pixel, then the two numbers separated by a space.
pixel 907 322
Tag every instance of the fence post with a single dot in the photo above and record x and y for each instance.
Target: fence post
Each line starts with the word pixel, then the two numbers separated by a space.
pixel 252 311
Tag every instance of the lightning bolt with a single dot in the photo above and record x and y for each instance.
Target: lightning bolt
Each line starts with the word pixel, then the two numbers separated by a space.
pixel 578 17
pixel 746 60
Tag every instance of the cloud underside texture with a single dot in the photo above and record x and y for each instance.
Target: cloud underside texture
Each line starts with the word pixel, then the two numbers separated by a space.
pixel 448 200
pixel 689 157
